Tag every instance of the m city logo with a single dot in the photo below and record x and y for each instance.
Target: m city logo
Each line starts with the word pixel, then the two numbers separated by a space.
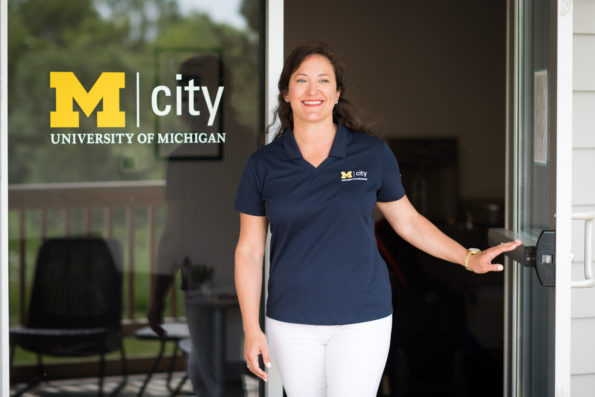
pixel 69 89
pixel 107 90
pixel 347 176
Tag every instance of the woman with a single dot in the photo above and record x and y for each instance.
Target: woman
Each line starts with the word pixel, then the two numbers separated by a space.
pixel 329 311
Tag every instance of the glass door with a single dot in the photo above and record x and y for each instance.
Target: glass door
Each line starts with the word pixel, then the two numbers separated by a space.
pixel 538 199
pixel 535 192
pixel 128 127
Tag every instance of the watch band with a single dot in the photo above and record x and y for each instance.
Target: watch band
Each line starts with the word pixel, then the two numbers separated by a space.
pixel 470 253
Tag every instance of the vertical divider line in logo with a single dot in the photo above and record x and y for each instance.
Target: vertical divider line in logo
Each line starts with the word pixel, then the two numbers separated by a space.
pixel 137 100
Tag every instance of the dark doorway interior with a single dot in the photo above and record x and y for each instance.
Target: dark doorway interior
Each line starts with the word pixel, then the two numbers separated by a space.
pixel 433 75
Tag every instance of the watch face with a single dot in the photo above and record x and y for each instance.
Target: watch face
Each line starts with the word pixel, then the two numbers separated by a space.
pixel 474 250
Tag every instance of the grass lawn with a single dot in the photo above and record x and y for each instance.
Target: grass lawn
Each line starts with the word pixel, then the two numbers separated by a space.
pixel 132 347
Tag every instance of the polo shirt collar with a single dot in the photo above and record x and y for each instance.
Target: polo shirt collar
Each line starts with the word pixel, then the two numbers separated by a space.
pixel 338 149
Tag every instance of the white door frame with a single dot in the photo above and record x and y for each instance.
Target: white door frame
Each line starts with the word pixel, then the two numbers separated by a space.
pixel 274 57
pixel 563 196
pixel 4 343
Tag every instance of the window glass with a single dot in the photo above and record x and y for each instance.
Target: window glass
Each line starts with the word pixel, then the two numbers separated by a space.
pixel 129 126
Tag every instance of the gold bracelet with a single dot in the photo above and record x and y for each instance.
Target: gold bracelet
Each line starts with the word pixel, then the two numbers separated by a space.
pixel 470 253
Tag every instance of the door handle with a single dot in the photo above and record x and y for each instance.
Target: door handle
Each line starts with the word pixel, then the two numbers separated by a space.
pixel 538 253
pixel 588 217
pixel 545 258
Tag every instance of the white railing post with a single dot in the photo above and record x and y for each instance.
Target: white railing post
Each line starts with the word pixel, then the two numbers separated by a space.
pixel 130 270
pixel 65 222
pixel 109 222
pixel 43 224
pixel 87 195
pixel 87 221
pixel 22 265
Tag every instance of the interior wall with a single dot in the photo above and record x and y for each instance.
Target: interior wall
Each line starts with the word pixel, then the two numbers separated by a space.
pixel 430 68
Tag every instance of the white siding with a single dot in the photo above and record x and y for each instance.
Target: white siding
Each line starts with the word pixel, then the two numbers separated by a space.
pixel 584 62
pixel 583 348
pixel 580 309
pixel 583 178
pixel 583 16
pixel 583 104
pixel 583 190
pixel 582 385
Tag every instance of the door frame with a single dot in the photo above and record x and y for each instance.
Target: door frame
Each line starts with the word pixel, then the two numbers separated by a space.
pixel 563 195
pixel 274 57
pixel 562 77
pixel 4 324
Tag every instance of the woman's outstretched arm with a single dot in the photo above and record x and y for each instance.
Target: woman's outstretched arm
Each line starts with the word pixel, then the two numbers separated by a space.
pixel 421 233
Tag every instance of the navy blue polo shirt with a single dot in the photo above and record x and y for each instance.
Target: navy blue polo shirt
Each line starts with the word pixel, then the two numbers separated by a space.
pixel 325 264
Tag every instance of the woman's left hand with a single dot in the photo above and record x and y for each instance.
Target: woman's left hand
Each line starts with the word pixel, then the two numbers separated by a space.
pixel 482 262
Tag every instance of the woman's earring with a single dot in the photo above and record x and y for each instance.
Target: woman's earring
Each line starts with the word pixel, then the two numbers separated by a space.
pixel 286 100
pixel 336 102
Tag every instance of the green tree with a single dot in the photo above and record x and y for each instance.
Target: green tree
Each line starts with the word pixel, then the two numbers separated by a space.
pixel 88 37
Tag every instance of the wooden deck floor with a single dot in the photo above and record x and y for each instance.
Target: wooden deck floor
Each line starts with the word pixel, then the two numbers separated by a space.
pixel 157 387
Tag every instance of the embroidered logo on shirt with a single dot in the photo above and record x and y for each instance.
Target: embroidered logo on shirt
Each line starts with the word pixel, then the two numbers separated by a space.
pixel 360 175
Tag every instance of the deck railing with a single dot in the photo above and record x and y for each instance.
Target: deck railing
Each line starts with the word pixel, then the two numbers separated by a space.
pixel 88 197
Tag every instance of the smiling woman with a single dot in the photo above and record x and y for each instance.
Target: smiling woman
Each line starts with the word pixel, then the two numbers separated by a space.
pixel 329 308
pixel 341 106
pixel 313 92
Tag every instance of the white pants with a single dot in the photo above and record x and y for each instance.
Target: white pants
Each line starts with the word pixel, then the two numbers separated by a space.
pixel 330 360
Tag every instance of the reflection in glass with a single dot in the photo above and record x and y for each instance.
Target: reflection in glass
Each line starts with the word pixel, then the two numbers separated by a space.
pixel 535 200
pixel 168 203
pixel 199 194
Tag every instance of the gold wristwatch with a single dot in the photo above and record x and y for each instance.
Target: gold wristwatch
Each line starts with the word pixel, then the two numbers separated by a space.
pixel 470 253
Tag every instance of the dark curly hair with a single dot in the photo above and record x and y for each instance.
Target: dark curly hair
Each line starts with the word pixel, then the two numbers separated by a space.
pixel 344 112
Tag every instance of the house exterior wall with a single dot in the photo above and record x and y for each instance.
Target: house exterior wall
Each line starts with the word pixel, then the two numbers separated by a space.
pixel 583 135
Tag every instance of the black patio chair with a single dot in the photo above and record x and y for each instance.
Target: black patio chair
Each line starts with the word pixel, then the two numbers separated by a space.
pixel 76 305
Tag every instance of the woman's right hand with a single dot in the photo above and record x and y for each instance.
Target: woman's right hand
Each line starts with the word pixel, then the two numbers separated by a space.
pixel 256 344
pixel 248 277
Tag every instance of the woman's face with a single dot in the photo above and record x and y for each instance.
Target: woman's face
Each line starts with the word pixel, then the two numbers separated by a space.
pixel 312 91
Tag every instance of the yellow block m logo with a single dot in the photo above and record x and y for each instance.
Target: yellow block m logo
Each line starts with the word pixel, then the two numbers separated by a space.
pixel 346 175
pixel 69 89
